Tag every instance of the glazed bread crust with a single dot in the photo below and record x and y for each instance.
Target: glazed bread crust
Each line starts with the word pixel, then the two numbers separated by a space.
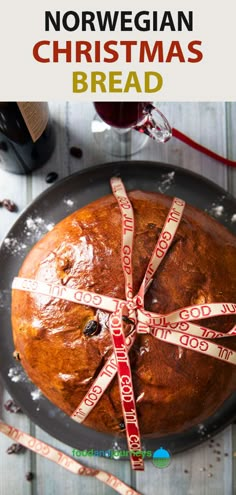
pixel 174 387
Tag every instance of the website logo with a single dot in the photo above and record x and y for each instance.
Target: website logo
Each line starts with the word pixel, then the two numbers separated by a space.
pixel 161 458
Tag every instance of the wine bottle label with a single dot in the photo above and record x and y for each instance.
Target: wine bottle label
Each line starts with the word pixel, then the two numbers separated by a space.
pixel 35 115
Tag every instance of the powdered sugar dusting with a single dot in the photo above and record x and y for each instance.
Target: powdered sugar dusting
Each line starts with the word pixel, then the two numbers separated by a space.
pixel 36 394
pixel 68 202
pixel 13 245
pixel 166 182
pixel 233 218
pixel 17 375
pixel 36 226
pixel 217 210
pixel 202 429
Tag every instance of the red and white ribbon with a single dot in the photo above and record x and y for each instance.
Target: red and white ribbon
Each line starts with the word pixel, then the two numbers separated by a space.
pixel 127 234
pixel 78 296
pixel 116 329
pixel 126 391
pixel 189 313
pixel 163 244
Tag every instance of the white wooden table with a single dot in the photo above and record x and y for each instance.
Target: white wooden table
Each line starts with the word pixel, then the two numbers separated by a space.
pixel 196 472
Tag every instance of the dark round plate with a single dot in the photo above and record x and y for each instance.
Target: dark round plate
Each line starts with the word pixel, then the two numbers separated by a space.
pixel 51 206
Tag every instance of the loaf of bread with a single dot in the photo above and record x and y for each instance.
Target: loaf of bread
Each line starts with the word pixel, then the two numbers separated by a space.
pixel 63 350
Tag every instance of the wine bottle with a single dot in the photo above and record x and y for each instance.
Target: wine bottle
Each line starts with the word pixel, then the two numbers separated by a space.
pixel 27 137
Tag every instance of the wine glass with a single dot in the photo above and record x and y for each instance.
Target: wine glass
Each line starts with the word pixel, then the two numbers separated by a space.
pixel 114 124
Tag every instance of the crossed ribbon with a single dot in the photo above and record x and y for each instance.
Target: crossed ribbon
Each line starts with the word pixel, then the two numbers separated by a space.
pixel 176 327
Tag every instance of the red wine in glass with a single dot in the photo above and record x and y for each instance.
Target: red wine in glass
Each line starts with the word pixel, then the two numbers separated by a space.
pixel 121 114
pixel 115 121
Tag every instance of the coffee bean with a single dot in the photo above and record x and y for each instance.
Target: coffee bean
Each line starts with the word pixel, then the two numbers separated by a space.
pixel 29 476
pixel 15 448
pixel 11 406
pixel 76 152
pixel 92 328
pixel 51 177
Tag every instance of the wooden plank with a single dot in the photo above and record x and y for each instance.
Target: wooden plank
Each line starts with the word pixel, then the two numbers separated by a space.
pixel 14 467
pixel 73 123
pixel 16 464
pixel 205 123
pixel 13 187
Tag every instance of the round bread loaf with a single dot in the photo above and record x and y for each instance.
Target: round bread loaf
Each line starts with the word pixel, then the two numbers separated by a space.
pixel 63 352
